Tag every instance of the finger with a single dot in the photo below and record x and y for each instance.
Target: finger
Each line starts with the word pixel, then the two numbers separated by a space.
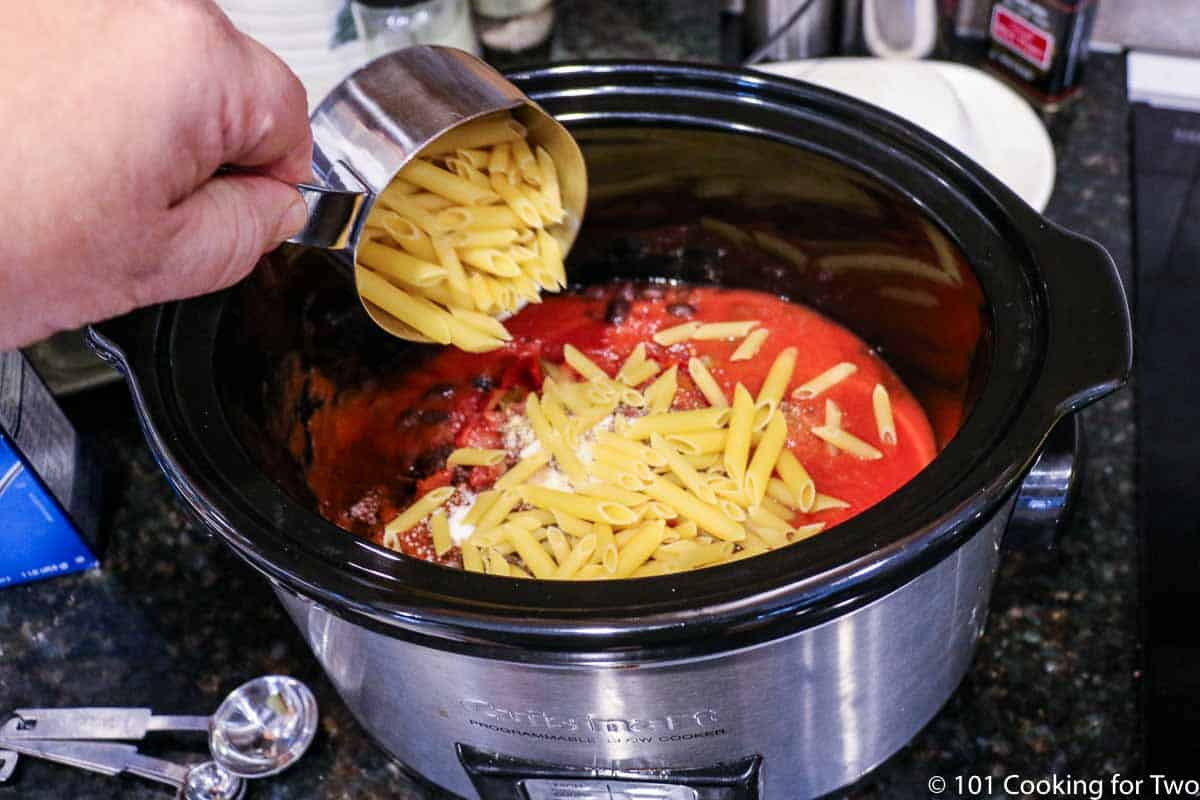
pixel 220 231
pixel 270 118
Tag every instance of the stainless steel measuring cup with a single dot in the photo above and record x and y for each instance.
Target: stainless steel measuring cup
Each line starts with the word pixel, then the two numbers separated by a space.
pixel 381 116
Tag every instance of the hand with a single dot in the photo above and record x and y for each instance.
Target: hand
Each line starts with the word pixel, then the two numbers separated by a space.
pixel 115 117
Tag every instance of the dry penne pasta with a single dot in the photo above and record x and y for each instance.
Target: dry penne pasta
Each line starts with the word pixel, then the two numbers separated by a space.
pixel 481 322
pixel 610 482
pixel 737 441
pixel 651 569
pixel 399 266
pixel 797 480
pixel 492 238
pixel 823 502
pixel 833 421
pixel 422 315
pixel 417 512
pixel 585 366
pixel 475 457
pixel 723 331
pixel 641 373
pixel 686 473
pixel 631 449
pixel 571 524
pixel 644 541
pixel 661 394
pixel 532 552
pixel 586 508
pixel 482 503
pixel 516 200
pixel 440 530
pixel 676 334
pixel 470 223
pixel 405 233
pixel 578 556
pixel 698 442
pixel 884 422
pixel 750 346
pixel 498 158
pixel 825 381
pixel 706 516
pixel 477 218
pixel 525 162
pixel 807 531
pixel 634 359
pixel 446 184
pixel 501 508
pixel 778 491
pixel 844 440
pixel 552 442
pixel 496 564
pixel 549 178
pixel 430 201
pixel 678 422
pixel 706 383
pixel 766 454
pixel 702 461
pixel 480 133
pixel 523 470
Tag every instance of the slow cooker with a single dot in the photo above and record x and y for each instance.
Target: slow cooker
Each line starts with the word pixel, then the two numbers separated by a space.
pixel 781 676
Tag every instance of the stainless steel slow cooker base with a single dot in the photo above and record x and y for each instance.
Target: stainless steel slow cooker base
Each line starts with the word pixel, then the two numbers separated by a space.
pixel 819 708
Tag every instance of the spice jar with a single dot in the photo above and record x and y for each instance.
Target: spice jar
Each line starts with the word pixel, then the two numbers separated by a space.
pixel 1041 46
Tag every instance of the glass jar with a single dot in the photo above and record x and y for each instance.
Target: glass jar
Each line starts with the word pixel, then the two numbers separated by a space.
pixel 387 25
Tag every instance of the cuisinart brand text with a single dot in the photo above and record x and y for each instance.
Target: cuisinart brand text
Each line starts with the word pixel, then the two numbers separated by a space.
pixel 591 728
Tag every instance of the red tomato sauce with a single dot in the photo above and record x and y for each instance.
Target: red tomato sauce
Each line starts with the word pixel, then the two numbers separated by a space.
pixel 376 448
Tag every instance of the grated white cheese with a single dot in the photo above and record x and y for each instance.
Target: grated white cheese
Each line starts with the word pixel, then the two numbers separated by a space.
pixel 518 434
pixel 459 530
pixel 551 477
pixel 588 440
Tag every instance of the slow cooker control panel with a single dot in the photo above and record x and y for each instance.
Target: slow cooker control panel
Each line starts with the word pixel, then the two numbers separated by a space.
pixel 503 777
pixel 551 789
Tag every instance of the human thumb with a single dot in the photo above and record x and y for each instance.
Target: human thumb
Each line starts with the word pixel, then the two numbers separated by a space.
pixel 218 233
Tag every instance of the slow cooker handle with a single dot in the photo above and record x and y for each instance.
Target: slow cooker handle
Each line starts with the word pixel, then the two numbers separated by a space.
pixel 1089 351
pixel 1047 495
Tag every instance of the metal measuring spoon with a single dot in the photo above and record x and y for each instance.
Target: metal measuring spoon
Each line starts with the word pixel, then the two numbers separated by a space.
pixel 260 729
pixel 263 726
pixel 206 781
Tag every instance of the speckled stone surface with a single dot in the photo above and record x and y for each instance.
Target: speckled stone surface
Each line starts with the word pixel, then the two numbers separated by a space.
pixel 173 620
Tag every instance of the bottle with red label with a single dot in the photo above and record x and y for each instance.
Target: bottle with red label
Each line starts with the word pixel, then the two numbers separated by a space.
pixel 1041 45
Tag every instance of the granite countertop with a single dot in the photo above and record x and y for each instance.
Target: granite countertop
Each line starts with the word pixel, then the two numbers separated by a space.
pixel 173 619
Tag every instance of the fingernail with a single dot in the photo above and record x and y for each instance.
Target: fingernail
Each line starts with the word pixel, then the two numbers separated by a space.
pixel 293 220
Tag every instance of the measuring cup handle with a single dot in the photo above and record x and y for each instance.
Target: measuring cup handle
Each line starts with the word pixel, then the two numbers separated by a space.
pixel 334 211
pixel 333 217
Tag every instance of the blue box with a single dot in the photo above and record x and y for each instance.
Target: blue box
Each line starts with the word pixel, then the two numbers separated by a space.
pixel 37 540
pixel 49 483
